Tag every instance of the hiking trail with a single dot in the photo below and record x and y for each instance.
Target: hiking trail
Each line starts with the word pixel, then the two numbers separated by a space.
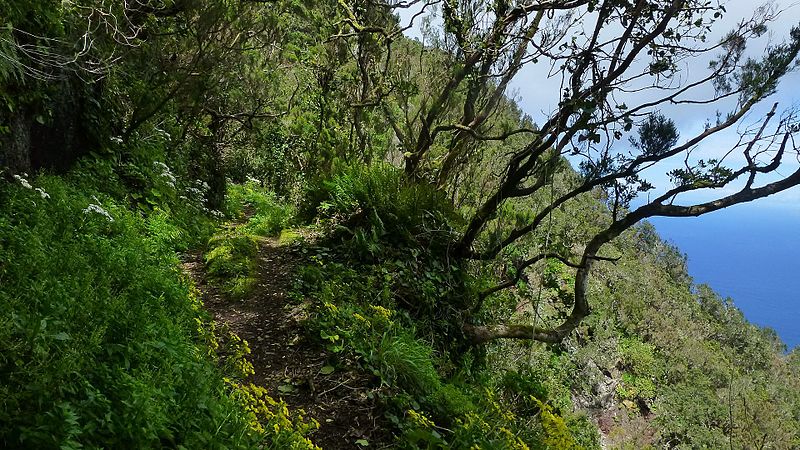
pixel 284 360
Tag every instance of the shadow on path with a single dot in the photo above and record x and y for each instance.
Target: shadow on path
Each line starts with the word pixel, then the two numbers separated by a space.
pixel 284 361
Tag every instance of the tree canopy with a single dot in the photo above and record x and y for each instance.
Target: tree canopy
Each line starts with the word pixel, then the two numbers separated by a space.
pixel 617 64
pixel 445 203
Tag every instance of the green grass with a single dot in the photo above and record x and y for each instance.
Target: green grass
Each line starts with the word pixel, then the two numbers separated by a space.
pixel 103 342
pixel 231 253
pixel 402 360
pixel 383 297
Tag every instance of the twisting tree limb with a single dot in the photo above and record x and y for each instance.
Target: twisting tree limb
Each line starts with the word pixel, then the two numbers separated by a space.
pixel 581 308
pixel 444 123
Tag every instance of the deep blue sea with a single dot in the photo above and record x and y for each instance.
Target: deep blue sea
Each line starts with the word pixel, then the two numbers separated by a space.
pixel 750 253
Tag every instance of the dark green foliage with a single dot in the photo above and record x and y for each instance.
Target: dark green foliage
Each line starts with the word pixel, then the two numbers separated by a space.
pixel 270 159
pixel 657 135
pixel 105 343
pixel 525 386
pixel 384 296
pixel 399 232
pixel 450 401
pixel 101 338
pixel 358 325
pixel 102 343
pixel 379 203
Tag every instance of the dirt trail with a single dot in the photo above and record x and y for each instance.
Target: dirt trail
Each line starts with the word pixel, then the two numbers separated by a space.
pixel 284 361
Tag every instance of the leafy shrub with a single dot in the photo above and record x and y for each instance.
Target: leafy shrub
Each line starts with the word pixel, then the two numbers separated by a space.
pixel 163 230
pixel 380 200
pixel 141 179
pixel 523 388
pixel 230 253
pixel 355 314
pixel 493 425
pixel 387 252
pixel 555 433
pixel 99 330
pixel 449 401
pixel 641 366
pixel 104 343
pixel 267 215
pixel 583 430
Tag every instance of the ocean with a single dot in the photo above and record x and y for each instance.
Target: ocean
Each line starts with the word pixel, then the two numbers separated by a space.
pixel 749 253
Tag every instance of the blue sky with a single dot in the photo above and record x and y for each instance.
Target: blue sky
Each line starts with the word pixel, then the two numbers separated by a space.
pixel 537 94
pixel 745 251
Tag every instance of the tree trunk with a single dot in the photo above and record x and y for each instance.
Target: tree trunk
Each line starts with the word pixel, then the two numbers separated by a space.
pixel 51 134
pixel 480 334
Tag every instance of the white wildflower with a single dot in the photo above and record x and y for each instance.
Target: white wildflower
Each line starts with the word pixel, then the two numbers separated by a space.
pixel 169 177
pixel 217 214
pixel 166 173
pixel 23 181
pixel 116 139
pixel 253 180
pixel 92 208
pixel 163 133
pixel 42 193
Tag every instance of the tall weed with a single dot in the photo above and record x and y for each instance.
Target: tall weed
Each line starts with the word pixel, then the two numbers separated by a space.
pixel 392 209
pixel 103 342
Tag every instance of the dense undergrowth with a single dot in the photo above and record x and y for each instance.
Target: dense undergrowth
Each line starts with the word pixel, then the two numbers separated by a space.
pixel 133 115
pixel 660 361
pixel 104 341
pixel 256 213
pixel 386 300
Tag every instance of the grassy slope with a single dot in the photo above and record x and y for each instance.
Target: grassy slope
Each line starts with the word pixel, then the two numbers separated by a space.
pixel 104 343
pixel 660 361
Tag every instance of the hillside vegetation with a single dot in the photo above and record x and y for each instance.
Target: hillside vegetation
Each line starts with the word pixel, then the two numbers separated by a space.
pixel 456 275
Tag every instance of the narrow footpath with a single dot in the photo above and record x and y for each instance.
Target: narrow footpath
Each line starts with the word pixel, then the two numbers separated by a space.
pixel 284 361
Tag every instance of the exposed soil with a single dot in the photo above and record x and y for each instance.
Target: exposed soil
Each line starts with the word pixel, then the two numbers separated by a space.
pixel 285 362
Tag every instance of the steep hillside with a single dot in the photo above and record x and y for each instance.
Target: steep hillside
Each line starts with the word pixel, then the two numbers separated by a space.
pixel 661 362
pixel 286 224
